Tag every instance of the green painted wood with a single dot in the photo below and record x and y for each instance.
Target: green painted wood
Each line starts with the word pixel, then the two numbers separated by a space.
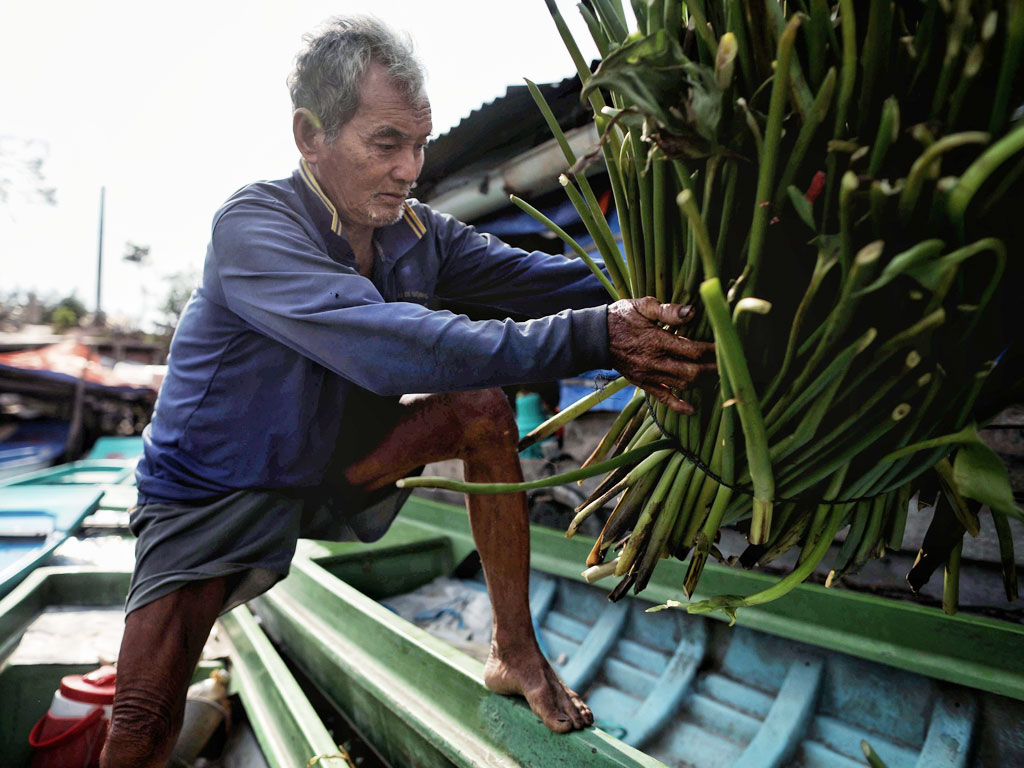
pixel 382 573
pixel 418 700
pixel 970 650
pixel 286 726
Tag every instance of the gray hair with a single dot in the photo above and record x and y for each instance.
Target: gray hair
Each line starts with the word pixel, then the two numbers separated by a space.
pixel 329 71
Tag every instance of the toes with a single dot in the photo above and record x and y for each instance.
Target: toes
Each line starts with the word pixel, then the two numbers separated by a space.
pixel 560 723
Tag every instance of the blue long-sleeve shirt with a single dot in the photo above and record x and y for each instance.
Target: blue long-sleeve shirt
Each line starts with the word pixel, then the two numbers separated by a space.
pixel 283 325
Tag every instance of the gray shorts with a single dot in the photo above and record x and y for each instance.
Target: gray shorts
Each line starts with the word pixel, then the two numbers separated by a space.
pixel 250 535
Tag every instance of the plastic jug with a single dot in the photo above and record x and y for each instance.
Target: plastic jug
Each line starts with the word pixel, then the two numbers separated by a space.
pixel 72 732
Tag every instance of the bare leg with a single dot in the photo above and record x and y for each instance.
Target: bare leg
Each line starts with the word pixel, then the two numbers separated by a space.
pixel 161 646
pixel 479 428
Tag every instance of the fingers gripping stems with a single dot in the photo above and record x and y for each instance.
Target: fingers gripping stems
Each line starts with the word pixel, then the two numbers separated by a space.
pixel 651 356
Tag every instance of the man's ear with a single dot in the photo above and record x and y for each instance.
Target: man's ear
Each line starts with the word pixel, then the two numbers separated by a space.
pixel 308 134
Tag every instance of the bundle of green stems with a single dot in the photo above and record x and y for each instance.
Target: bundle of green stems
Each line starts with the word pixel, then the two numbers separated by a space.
pixel 838 189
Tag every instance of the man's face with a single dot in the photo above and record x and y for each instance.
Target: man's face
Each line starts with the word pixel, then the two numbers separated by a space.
pixel 369 169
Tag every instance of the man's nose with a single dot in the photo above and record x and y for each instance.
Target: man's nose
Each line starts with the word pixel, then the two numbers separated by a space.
pixel 408 167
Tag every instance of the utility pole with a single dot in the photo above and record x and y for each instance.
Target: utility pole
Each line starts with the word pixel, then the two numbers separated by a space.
pixel 99 320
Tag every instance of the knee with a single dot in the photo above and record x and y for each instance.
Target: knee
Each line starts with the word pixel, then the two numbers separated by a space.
pixel 486 419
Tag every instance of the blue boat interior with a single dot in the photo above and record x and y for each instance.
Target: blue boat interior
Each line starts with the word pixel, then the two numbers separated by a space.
pixel 692 692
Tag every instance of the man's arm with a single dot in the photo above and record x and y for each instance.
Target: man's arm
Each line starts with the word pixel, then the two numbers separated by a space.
pixel 279 281
pixel 481 269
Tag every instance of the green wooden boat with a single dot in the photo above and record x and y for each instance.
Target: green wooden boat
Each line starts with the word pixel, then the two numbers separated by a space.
pixel 282 728
pixel 801 681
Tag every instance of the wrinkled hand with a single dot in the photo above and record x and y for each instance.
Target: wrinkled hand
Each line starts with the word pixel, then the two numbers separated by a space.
pixel 651 357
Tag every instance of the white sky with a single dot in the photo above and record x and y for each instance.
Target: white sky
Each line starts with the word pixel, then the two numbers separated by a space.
pixel 173 106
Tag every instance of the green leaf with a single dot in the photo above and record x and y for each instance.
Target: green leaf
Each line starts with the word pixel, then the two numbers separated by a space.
pixel 979 473
pixel 801 205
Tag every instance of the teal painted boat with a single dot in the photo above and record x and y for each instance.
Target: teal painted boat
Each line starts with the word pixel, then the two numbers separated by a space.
pixel 34 521
pixel 274 726
pixel 799 682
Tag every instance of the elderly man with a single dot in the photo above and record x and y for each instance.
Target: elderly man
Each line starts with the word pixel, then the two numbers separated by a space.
pixel 285 413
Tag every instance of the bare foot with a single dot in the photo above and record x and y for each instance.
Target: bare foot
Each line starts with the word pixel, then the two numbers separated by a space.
pixel 526 673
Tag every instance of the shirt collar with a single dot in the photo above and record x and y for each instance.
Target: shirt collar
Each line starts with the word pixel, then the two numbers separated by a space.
pixel 394 239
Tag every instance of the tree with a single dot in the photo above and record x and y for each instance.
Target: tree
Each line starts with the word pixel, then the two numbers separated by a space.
pixel 181 285
pixel 67 313
pixel 21 171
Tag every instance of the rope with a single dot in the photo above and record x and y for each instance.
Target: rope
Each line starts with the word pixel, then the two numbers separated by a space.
pixel 696 461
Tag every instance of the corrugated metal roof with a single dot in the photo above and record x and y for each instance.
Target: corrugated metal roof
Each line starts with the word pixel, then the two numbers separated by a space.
pixel 499 130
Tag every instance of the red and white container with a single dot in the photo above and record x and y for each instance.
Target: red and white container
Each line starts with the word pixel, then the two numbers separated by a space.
pixel 72 732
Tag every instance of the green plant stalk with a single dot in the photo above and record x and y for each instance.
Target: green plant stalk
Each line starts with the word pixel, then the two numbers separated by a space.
pixel 616 292
pixel 675 501
pixel 773 133
pixel 866 406
pixel 632 212
pixel 920 168
pixel 747 405
pixel 847 187
pixel 562 418
pixel 798 574
pixel 731 174
pixel 815 117
pixel 597 33
pixel 847 79
pixel 784 410
pixel 874 761
pixel 876 45
pixel 613 19
pixel 643 185
pixel 968 519
pixel 840 316
pixel 888 132
pixel 976 174
pixel 651 512
pixel 595 222
pixel 895 469
pixel 702 488
pixel 898 519
pixel 630 457
pixel 895 343
pixel 971 68
pixel 786 538
pixel 822 267
pixel 954 43
pixel 809 424
pixel 662 528
pixel 736 24
pixel 1006 558
pixel 798 482
pixel 649 464
pixel 661 287
pixel 951 581
pixel 1004 185
pixel 700 232
pixel 1013 55
pixel 617 428
pixel 820 30
pixel 799 93
pixel 873 531
pixel 918 253
pixel 859 524
pixel 612 261
pixel 621 517
pixel 700 22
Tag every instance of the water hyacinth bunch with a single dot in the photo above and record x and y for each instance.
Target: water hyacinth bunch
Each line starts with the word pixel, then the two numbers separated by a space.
pixel 839 189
